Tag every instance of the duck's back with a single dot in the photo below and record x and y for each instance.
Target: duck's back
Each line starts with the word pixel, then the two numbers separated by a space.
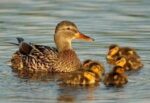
pixel 40 58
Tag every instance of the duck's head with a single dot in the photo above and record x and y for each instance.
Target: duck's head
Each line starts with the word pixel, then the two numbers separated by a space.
pixel 121 61
pixel 113 50
pixel 118 69
pixel 65 32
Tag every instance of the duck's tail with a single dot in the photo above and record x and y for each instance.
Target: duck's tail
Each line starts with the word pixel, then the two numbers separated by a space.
pixel 20 39
pixel 24 47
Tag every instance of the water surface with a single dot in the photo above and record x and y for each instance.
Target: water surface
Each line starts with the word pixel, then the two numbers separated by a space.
pixel 124 22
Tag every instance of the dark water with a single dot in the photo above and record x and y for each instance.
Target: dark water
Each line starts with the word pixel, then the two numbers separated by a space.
pixel 125 22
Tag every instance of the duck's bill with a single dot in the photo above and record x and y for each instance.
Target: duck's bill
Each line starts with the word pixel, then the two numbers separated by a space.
pixel 79 35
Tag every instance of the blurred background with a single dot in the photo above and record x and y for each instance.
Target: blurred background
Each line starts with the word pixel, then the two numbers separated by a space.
pixel 123 22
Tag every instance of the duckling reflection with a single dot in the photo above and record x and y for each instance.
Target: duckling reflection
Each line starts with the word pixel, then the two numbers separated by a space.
pixel 38 76
pixel 72 93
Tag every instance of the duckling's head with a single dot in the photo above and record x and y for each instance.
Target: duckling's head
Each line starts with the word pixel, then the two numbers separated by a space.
pixel 121 61
pixel 127 51
pixel 87 63
pixel 118 69
pixel 65 32
pixel 113 50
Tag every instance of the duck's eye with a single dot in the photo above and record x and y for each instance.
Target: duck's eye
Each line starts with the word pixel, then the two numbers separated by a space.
pixel 68 28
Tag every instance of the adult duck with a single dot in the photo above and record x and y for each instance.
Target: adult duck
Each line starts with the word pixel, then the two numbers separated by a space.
pixel 34 58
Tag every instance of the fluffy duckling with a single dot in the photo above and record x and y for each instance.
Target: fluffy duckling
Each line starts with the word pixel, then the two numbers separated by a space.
pixel 112 54
pixel 122 62
pixel 116 78
pixel 134 64
pixel 90 76
pixel 129 64
pixel 96 68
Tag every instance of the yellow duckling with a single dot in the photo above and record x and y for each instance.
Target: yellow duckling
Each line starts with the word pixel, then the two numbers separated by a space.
pixel 112 54
pixel 96 68
pixel 129 64
pixel 121 62
pixel 90 76
pixel 116 78
pixel 134 63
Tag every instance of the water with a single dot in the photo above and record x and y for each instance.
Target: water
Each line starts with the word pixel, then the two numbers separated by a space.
pixel 125 22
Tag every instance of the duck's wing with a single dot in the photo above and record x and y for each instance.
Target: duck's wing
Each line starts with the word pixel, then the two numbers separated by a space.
pixel 34 57
pixel 28 48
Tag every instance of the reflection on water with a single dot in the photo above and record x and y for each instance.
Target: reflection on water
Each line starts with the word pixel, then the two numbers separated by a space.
pixel 125 22
pixel 71 93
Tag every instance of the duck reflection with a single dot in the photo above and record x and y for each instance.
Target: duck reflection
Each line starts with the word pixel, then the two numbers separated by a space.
pixel 72 94
pixel 38 76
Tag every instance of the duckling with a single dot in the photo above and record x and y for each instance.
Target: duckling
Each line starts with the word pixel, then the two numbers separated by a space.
pixel 116 77
pixel 98 69
pixel 129 63
pixel 134 63
pixel 112 53
pixel 94 66
pixel 122 62
pixel 90 76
